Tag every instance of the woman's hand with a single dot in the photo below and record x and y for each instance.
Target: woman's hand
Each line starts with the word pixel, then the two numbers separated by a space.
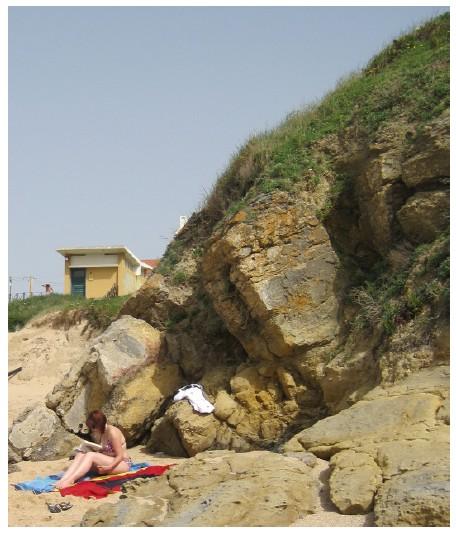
pixel 104 469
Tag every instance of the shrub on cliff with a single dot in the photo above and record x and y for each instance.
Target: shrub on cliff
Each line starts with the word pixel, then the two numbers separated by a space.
pixel 410 78
pixel 98 312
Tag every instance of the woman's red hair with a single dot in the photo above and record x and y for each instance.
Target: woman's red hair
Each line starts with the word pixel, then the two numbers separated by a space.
pixel 96 420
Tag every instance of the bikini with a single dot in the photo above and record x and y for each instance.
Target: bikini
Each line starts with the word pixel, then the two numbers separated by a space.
pixel 109 450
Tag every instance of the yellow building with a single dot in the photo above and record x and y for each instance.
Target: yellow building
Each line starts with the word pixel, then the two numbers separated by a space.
pixel 98 271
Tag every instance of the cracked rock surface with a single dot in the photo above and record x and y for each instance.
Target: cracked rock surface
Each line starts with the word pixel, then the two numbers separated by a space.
pixel 390 451
pixel 218 488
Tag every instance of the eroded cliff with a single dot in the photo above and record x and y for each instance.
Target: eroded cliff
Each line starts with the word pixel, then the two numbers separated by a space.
pixel 319 266
pixel 309 297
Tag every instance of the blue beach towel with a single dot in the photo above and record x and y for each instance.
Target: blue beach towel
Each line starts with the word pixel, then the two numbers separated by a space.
pixel 46 483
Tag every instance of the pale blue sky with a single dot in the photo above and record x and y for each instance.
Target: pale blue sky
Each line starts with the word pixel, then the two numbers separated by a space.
pixel 121 118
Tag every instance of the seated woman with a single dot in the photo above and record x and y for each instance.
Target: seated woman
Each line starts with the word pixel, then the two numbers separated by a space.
pixel 112 459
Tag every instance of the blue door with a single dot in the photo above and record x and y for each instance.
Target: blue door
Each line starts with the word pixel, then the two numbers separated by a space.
pixel 78 282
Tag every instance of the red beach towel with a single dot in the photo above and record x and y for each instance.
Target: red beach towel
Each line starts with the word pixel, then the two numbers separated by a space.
pixel 100 488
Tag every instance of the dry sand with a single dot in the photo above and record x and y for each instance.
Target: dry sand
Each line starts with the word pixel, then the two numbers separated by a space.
pixel 30 510
pixel 46 354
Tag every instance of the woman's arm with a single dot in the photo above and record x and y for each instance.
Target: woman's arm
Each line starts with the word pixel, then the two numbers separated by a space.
pixel 116 441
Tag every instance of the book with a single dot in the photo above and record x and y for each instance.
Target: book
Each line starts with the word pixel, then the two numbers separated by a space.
pixel 86 446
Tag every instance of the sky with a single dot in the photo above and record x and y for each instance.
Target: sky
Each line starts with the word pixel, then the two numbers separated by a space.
pixel 121 118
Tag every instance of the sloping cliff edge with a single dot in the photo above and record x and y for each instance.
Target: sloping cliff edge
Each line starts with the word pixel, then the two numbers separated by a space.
pixel 313 285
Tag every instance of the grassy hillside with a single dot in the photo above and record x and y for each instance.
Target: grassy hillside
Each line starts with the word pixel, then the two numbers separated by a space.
pixel 99 312
pixel 410 78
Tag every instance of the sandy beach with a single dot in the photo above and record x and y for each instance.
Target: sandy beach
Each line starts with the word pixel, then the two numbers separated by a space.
pixel 30 510
pixel 45 355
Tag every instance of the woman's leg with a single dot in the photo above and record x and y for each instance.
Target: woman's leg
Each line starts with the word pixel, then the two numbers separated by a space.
pixel 88 461
pixel 81 465
pixel 100 459
pixel 72 469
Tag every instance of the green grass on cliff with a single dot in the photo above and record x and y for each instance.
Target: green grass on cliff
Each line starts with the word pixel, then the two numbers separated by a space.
pixel 392 299
pixel 98 312
pixel 409 78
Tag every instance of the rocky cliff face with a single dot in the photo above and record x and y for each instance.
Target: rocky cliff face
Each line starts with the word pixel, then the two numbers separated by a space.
pixel 313 282
pixel 391 448
pixel 295 310
pixel 319 266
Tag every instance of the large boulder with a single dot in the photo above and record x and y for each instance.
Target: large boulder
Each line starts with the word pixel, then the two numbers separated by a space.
pixel 425 215
pixel 377 208
pixel 416 488
pixel 399 431
pixel 197 431
pixel 185 432
pixel 398 456
pixel 264 401
pixel 217 489
pixel 359 426
pixel 355 478
pixel 429 156
pixel 164 437
pixel 125 375
pixel 271 273
pixel 409 410
pixel 38 435
pixel 415 498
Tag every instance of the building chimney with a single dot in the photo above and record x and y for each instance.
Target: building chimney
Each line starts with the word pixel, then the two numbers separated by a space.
pixel 182 220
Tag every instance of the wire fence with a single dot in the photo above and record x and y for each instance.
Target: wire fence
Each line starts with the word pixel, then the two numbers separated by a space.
pixel 47 287
pixel 25 295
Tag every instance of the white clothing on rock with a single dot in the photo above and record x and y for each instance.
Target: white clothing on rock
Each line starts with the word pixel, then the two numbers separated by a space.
pixel 194 394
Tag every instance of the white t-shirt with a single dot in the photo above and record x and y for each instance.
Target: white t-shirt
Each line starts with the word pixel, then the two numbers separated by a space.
pixel 195 395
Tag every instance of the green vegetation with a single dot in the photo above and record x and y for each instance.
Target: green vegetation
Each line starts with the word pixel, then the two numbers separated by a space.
pixel 168 265
pixel 342 184
pixel 236 206
pixel 391 300
pixel 408 79
pixel 99 312
pixel 179 278
pixel 171 257
pixel 197 252
pixel 175 318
